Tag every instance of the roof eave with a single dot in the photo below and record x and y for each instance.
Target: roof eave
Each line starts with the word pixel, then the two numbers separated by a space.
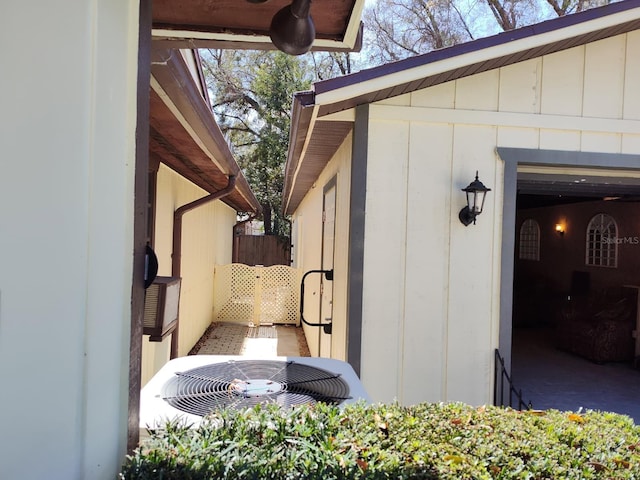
pixel 301 117
pixel 193 121
pixel 415 73
pixel 579 25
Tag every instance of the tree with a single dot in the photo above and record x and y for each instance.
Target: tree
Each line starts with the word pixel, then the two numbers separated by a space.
pixel 566 7
pixel 251 94
pixel 251 97
pixel 397 29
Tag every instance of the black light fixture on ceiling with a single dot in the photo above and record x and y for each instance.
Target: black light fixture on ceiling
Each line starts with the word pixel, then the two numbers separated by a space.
pixel 292 29
pixel 476 193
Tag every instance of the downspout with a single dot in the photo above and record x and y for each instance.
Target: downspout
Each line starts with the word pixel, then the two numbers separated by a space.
pixel 176 255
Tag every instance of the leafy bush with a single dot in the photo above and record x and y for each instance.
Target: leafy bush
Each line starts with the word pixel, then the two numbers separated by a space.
pixel 425 441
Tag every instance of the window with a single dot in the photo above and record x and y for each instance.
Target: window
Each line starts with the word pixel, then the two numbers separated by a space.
pixel 602 248
pixel 530 240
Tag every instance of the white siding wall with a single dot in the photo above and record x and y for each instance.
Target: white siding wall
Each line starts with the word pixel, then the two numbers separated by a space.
pixel 206 242
pixel 431 285
pixel 66 203
pixel 307 225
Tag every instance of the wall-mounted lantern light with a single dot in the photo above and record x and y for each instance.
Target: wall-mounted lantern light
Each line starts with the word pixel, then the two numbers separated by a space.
pixel 476 193
pixel 559 229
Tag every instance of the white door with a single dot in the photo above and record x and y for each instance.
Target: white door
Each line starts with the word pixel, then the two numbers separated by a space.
pixel 328 241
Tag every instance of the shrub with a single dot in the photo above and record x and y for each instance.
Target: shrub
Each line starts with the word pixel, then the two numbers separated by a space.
pixel 425 441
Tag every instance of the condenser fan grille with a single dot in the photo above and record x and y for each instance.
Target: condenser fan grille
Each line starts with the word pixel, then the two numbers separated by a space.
pixel 244 383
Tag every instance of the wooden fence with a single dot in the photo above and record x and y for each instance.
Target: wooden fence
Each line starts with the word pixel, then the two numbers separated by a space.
pixel 263 250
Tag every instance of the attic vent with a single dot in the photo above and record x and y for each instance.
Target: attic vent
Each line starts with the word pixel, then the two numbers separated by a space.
pixel 244 383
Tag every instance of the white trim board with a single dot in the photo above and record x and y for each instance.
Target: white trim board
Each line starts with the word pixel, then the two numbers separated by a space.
pixel 503 119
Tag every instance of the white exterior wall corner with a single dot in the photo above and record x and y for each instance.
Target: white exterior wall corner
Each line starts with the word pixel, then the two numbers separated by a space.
pixel 430 320
pixel 66 253
pixel 308 244
pixel 206 242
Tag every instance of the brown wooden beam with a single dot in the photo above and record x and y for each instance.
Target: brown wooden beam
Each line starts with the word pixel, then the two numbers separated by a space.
pixel 140 223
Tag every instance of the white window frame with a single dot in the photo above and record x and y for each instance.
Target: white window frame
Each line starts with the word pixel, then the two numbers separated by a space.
pixel 529 240
pixel 602 242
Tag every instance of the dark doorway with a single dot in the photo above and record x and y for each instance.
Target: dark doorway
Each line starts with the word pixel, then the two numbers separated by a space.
pixel 576 277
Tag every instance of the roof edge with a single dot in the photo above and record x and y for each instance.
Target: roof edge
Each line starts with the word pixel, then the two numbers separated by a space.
pixel 324 87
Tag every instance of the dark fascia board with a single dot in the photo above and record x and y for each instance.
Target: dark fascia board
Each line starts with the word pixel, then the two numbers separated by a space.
pixel 171 72
pixel 301 114
pixel 475 46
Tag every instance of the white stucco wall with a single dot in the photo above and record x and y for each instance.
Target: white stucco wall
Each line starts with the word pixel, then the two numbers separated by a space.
pixel 431 286
pixel 68 96
pixel 207 240
pixel 307 244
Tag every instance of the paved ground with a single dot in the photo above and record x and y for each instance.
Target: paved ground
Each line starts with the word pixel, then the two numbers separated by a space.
pixel 258 342
pixel 551 378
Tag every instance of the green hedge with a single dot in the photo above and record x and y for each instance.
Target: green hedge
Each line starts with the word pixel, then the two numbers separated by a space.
pixel 426 441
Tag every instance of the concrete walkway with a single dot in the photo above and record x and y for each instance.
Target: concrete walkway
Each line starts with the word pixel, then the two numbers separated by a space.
pixel 265 341
pixel 551 378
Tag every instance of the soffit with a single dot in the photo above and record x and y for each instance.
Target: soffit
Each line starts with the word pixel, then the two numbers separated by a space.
pixel 325 138
pixel 242 24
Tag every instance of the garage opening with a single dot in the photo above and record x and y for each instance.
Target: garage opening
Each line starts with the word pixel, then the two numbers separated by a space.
pixel 576 284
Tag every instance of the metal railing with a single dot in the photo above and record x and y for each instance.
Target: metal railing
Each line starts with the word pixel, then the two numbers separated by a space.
pixel 503 380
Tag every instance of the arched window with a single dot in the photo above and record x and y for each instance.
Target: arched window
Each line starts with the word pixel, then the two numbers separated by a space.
pixel 602 245
pixel 530 240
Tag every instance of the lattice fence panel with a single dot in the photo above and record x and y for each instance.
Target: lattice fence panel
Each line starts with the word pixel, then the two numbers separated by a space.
pixel 258 295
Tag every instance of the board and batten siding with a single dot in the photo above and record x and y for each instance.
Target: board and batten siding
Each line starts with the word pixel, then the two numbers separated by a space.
pixel 207 240
pixel 431 288
pixel 307 247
